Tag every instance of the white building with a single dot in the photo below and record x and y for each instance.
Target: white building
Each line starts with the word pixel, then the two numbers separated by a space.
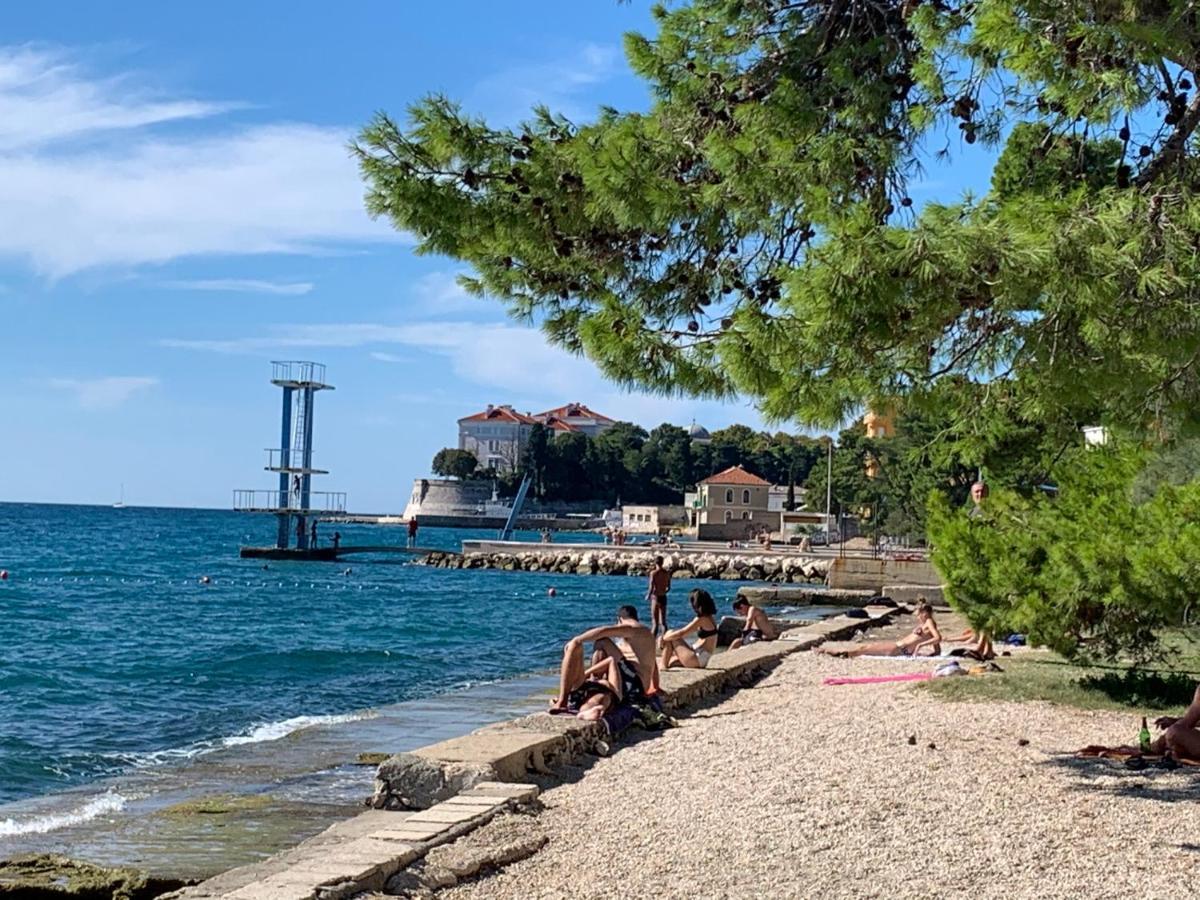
pixel 498 435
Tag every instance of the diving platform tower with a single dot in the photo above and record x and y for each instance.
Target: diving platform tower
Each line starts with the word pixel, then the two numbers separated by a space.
pixel 294 503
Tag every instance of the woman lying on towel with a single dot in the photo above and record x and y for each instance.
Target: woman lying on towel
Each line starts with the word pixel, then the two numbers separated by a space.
pixel 924 637
pixel 600 692
pixel 676 651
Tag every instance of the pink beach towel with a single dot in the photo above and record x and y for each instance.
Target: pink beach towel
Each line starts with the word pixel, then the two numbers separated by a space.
pixel 879 679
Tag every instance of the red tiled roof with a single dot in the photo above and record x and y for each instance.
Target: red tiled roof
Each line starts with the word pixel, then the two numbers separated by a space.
pixel 575 411
pixel 555 424
pixel 500 414
pixel 736 475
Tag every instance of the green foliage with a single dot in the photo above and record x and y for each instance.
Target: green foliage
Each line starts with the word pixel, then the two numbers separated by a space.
pixel 1085 570
pixel 752 232
pixel 625 464
pixel 453 463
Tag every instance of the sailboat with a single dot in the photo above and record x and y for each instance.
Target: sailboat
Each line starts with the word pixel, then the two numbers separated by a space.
pixel 120 504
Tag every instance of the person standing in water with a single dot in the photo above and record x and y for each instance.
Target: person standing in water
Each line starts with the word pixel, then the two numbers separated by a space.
pixel 412 531
pixel 657 589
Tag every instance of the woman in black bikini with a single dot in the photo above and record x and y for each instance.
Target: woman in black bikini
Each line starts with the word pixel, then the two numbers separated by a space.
pixel 678 652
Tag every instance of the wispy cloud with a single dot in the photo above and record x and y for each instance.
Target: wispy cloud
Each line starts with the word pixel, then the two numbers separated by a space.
pixel 86 181
pixel 241 286
pixel 440 294
pixel 104 393
pixel 45 96
pixel 388 357
pixel 511 94
pixel 484 353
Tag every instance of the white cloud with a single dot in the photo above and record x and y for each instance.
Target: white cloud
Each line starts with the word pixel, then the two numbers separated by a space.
pixel 103 393
pixel 504 362
pixel 241 286
pixel 439 294
pixel 84 181
pixel 45 97
pixel 510 95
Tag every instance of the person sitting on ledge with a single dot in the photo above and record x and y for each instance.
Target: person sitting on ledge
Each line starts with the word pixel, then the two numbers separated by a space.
pixel 635 664
pixel 925 635
pixel 678 652
pixel 1180 736
pixel 601 691
pixel 758 627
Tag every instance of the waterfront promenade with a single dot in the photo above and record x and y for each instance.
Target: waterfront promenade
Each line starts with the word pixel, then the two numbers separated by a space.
pixel 795 789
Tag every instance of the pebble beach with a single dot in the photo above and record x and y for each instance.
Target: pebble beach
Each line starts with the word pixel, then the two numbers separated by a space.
pixel 794 789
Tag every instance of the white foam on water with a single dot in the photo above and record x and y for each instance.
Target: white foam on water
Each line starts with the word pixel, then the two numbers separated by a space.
pixel 106 803
pixel 268 731
pixel 273 731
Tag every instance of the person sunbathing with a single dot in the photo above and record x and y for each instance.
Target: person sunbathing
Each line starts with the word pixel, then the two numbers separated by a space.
pixel 600 692
pixel 980 649
pixel 636 663
pixel 758 627
pixel 1180 736
pixel 676 651
pixel 924 636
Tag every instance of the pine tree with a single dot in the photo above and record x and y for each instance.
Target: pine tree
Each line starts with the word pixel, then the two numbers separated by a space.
pixel 753 232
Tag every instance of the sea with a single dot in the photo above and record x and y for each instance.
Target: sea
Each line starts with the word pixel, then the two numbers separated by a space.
pixel 147 673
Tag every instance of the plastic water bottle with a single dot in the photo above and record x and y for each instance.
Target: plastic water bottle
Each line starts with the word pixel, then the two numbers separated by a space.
pixel 1144 737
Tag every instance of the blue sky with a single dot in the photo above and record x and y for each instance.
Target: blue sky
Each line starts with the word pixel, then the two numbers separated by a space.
pixel 177 208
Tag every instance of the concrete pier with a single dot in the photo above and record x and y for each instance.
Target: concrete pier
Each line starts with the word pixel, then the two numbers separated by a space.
pixel 327 554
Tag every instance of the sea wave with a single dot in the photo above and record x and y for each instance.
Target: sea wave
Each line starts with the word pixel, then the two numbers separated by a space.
pixel 98 806
pixel 273 731
pixel 267 731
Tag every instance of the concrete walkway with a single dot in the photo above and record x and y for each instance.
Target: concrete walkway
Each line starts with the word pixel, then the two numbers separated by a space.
pixel 482 775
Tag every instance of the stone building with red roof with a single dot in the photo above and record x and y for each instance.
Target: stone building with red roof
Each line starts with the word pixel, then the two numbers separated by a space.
pixel 497 435
pixel 735 495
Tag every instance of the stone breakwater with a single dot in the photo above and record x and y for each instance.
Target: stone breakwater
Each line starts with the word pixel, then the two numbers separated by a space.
pixel 777 568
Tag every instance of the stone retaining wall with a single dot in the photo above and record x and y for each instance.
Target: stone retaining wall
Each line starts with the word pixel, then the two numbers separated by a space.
pixel 724 566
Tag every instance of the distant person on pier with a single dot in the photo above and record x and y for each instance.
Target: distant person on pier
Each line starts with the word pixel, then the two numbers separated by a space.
pixel 659 585
pixel 635 660
pixel 412 531
pixel 299 531
pixel 676 651
pixel 312 535
pixel 757 628
pixel 337 539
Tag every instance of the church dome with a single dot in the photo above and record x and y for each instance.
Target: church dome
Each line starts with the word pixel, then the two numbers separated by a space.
pixel 699 433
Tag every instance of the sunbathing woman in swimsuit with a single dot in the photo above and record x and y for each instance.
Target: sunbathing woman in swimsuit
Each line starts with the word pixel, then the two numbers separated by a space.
pixel 678 652
pixel 925 635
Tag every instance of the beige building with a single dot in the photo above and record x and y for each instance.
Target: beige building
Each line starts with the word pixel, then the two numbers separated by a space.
pixel 736 495
pixel 652 519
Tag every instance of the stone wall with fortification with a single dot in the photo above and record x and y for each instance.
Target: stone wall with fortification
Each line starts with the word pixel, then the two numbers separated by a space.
pixel 446 497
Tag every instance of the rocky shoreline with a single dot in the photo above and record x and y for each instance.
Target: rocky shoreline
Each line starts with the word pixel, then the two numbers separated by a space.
pixel 772 568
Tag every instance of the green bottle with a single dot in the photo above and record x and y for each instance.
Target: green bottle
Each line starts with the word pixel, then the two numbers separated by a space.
pixel 1144 737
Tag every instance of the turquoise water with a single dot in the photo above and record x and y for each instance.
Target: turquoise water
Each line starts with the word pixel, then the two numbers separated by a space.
pixel 115 659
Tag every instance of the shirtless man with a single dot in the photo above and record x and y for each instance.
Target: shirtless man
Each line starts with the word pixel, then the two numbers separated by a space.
pixel 634 658
pixel 1180 736
pixel 656 590
pixel 758 626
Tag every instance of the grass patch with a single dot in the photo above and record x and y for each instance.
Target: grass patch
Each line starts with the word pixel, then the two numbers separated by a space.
pixel 1054 680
